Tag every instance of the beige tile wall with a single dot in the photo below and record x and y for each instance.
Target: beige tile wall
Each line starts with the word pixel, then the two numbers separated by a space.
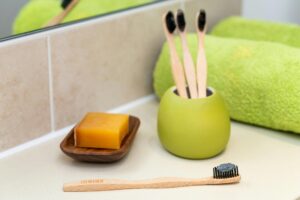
pixel 24 94
pixel 103 65
pixel 95 66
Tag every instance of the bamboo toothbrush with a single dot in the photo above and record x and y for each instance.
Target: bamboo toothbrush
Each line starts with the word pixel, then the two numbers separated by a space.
pixel 187 57
pixel 169 27
pixel 222 174
pixel 201 59
pixel 68 6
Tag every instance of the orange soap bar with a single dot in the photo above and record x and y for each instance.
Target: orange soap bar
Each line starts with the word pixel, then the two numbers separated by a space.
pixel 101 130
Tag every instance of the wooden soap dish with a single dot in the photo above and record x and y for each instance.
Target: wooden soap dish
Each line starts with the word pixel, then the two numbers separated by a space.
pixel 100 155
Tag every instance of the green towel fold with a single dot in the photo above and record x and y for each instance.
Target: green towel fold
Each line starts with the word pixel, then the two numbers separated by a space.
pixel 260 81
pixel 238 27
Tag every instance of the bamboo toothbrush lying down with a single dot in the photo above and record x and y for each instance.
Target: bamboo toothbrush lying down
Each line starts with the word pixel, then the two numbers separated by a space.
pixel 222 174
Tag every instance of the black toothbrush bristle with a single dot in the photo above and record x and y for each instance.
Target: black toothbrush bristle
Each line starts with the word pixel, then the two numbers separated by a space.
pixel 226 170
pixel 170 22
pixel 201 20
pixel 180 20
pixel 65 3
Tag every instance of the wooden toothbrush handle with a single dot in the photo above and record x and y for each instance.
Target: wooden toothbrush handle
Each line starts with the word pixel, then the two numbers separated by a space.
pixel 177 69
pixel 189 67
pixel 201 67
pixel 115 184
pixel 59 18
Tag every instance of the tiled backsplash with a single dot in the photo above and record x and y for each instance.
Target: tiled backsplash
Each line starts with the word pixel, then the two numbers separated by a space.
pixel 24 92
pixel 111 64
pixel 51 79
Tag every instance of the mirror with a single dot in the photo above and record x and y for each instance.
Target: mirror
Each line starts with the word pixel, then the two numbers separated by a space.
pixel 20 17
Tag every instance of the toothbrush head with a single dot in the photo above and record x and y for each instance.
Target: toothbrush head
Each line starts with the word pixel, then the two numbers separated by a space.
pixel 226 170
pixel 65 3
pixel 170 22
pixel 201 20
pixel 180 20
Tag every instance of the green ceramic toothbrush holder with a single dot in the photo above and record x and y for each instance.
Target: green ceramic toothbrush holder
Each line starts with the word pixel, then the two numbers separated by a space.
pixel 193 128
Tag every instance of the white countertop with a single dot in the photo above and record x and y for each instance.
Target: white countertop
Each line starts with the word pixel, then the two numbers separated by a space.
pixel 269 163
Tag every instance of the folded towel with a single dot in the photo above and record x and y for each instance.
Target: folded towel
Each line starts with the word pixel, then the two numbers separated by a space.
pixel 36 13
pixel 238 27
pixel 260 81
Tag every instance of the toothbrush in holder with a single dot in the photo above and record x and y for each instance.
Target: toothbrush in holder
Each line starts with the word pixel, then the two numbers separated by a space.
pixel 187 57
pixel 201 58
pixel 169 27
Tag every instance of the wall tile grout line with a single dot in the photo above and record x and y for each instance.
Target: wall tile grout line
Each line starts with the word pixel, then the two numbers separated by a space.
pixel 51 96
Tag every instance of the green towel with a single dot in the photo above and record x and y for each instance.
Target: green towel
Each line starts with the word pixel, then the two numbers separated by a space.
pixel 238 27
pixel 36 13
pixel 260 81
